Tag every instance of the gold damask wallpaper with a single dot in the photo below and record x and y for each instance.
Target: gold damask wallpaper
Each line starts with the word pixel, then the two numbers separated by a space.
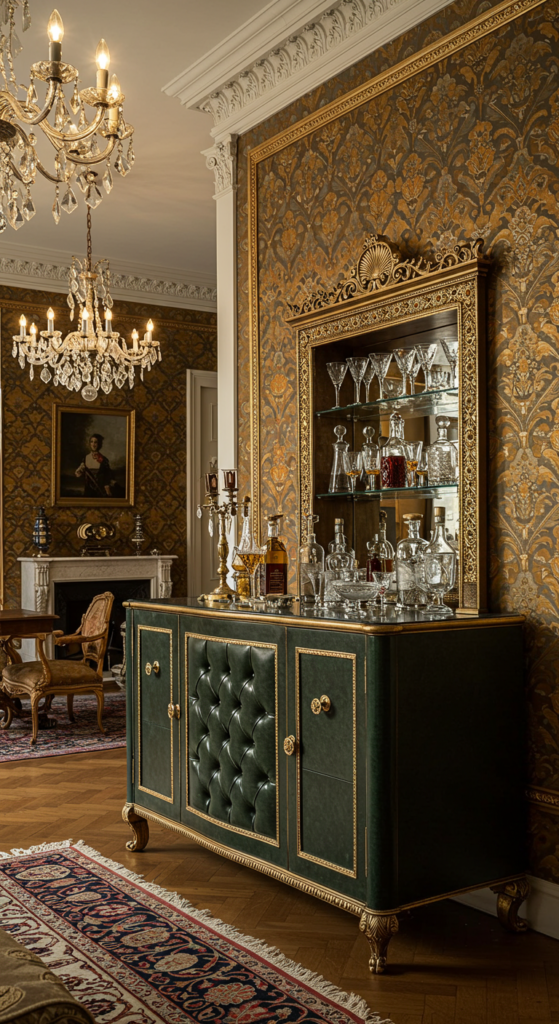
pixel 465 148
pixel 188 340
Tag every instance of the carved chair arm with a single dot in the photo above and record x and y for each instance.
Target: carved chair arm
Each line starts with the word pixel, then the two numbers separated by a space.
pixel 76 638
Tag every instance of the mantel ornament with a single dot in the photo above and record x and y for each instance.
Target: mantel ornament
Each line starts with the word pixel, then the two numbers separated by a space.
pixel 380 266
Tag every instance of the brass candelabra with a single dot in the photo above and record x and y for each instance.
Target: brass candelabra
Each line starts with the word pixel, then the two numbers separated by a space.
pixel 225 513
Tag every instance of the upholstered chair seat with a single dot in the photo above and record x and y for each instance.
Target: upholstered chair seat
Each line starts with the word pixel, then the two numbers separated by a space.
pixel 47 678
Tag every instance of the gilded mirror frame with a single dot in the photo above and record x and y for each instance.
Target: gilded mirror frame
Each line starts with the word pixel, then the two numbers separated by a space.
pixel 384 290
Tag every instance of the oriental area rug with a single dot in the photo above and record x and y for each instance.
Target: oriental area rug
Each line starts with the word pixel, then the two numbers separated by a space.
pixel 133 953
pixel 68 737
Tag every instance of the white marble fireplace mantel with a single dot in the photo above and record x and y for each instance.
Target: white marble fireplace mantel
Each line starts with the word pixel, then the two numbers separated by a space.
pixel 39 576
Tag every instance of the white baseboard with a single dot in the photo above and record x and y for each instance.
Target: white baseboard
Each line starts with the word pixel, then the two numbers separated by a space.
pixel 541 909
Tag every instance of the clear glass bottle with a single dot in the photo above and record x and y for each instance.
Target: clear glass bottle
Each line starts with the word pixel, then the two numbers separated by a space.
pixel 311 563
pixel 338 475
pixel 340 556
pixel 394 455
pixel 442 455
pixel 381 552
pixel 410 554
pixel 439 567
pixel 246 543
pixel 275 559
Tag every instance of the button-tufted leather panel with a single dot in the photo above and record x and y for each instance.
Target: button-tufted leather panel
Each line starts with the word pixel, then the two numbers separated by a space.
pixel 232 733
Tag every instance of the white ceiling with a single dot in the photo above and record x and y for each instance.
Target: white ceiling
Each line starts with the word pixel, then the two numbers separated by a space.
pixel 162 214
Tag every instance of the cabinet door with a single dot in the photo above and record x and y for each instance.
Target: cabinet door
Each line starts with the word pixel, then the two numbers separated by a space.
pixel 154 691
pixel 325 770
pixel 233 692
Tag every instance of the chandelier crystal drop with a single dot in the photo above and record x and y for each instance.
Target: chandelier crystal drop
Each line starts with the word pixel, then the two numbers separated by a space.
pixel 93 357
pixel 78 147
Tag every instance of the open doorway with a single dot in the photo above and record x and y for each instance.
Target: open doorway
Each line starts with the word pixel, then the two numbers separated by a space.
pixel 201 451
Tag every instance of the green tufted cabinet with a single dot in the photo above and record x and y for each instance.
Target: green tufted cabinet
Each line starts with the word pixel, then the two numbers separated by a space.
pixel 377 766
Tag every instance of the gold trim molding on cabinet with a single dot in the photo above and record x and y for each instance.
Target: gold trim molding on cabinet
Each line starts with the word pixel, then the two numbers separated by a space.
pixel 154 629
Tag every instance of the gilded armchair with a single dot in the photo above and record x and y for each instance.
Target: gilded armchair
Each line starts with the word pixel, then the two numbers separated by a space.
pixel 47 678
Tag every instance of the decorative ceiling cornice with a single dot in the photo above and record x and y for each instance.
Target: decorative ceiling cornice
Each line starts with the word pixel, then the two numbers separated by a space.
pixel 38 269
pixel 261 68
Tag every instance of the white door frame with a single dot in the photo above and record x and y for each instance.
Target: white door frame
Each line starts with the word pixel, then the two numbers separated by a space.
pixel 195 381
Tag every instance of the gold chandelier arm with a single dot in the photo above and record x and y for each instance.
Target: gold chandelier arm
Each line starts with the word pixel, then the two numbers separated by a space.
pixel 55 136
pixel 19 110
pixel 93 159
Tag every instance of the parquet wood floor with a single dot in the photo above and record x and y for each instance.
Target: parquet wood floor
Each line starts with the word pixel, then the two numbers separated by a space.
pixel 448 964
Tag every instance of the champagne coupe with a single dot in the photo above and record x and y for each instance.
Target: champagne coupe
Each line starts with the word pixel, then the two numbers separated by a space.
pixel 357 367
pixel 337 372
pixel 412 461
pixel 383 579
pixel 381 361
pixel 414 370
pixel 426 353
pixel 404 358
pixel 369 374
pixel 251 560
pixel 450 349
pixel 371 465
pixel 353 464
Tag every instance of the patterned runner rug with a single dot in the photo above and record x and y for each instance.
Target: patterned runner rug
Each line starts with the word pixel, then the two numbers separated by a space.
pixel 134 953
pixel 68 737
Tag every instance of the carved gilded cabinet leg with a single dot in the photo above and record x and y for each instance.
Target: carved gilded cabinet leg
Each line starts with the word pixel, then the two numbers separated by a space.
pixel 509 897
pixel 139 827
pixel 379 929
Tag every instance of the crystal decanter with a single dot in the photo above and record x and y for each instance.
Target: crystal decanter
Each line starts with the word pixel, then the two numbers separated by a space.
pixel 311 564
pixel 410 555
pixel 394 455
pixel 442 456
pixel 338 476
pixel 439 568
pixel 381 552
pixel 340 556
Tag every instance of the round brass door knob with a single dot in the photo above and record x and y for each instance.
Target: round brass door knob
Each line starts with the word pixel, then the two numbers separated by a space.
pixel 152 668
pixel 322 704
pixel 289 745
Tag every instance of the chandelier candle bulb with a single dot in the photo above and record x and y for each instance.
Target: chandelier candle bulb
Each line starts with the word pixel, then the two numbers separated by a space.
pixel 135 340
pixel 149 331
pixel 22 326
pixel 50 321
pixel 108 318
pixel 33 333
pixel 85 318
pixel 55 32
pixel 103 58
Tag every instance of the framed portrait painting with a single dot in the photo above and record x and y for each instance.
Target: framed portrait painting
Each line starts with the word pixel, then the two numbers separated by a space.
pixel 92 456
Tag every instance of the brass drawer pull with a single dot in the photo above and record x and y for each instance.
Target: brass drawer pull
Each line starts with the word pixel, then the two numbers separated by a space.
pixel 324 704
pixel 152 668
pixel 173 710
pixel 289 745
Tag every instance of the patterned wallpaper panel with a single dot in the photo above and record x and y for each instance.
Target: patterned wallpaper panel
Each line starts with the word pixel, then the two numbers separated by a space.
pixel 188 340
pixel 467 148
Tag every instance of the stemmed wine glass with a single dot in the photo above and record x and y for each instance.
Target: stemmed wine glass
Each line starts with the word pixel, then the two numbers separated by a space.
pixel 414 370
pixel 357 367
pixel 381 361
pixel 251 560
pixel 412 461
pixel 384 580
pixel 337 372
pixel 369 374
pixel 450 349
pixel 371 465
pixel 404 358
pixel 426 353
pixel 353 464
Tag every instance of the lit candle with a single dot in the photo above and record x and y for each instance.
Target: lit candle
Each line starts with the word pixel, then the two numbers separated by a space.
pixel 103 58
pixel 22 326
pixel 134 340
pixel 55 32
pixel 149 331
pixel 108 318
pixel 85 318
pixel 33 333
pixel 50 320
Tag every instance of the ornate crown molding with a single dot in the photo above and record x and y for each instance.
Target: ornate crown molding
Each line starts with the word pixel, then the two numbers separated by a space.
pixel 222 160
pixel 380 266
pixel 128 282
pixel 263 67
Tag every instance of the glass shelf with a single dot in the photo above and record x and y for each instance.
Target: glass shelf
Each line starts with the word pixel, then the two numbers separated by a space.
pixel 426 403
pixel 434 491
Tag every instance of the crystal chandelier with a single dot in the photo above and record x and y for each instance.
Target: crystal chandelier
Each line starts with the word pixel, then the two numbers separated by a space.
pixel 76 146
pixel 94 356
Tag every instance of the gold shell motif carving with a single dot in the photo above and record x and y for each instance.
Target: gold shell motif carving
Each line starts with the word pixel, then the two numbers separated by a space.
pixel 375 267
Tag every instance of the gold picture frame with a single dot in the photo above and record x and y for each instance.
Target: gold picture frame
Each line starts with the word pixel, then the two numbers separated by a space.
pixel 88 473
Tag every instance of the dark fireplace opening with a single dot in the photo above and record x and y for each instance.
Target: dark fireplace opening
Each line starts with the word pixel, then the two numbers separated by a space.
pixel 71 600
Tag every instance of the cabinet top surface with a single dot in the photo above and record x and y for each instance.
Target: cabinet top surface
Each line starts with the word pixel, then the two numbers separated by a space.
pixel 393 622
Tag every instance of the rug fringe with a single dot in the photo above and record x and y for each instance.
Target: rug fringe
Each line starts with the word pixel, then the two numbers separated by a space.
pixel 345 1000
pixel 64 844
